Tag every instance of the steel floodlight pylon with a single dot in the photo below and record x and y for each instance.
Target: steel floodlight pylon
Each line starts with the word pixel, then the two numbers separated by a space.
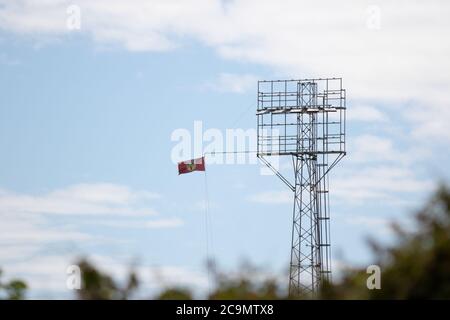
pixel 305 120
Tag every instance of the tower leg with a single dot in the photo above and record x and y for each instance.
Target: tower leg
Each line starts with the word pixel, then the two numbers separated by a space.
pixel 305 266
pixel 310 250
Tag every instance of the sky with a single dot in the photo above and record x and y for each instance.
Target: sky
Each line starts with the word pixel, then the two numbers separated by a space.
pixel 92 92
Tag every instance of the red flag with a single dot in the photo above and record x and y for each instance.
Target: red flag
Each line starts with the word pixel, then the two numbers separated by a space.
pixel 191 165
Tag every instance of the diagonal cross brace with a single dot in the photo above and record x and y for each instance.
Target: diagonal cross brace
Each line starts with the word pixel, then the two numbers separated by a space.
pixel 279 175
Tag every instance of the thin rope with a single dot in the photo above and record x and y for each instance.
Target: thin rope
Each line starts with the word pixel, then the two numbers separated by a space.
pixel 210 256
pixel 208 234
pixel 228 152
pixel 208 216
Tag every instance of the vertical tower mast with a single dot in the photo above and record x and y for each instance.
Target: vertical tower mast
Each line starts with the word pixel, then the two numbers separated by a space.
pixel 304 119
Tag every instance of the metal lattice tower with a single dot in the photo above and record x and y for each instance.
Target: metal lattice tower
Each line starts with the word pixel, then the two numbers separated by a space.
pixel 305 120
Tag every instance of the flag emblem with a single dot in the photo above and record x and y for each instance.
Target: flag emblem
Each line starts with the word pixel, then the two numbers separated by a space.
pixel 191 165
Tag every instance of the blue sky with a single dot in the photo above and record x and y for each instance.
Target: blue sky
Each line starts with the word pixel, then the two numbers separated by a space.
pixel 86 118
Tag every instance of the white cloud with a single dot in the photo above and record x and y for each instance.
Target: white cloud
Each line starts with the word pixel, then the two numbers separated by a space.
pixel 272 197
pixel 382 171
pixel 402 61
pixel 234 83
pixel 81 199
pixel 380 184
pixel 29 238
pixel 365 113
pixel 140 224
pixel 104 192
pixel 389 184
pixel 375 224
pixel 30 222
pixel 371 148
pixel 429 121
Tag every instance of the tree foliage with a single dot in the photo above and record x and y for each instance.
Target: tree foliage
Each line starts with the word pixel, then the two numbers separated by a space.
pixel 175 294
pixel 97 285
pixel 416 267
pixel 12 290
